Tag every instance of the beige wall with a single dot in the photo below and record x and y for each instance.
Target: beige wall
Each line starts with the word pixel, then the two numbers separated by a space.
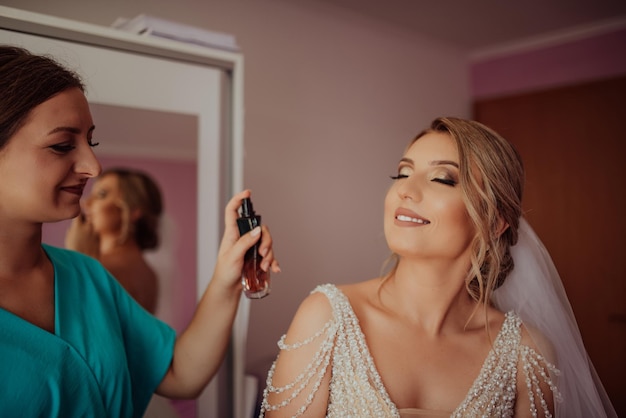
pixel 331 99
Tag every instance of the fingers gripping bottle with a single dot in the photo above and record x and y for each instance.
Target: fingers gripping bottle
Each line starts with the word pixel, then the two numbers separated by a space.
pixel 255 281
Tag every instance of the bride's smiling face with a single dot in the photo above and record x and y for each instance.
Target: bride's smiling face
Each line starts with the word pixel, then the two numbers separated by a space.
pixel 425 214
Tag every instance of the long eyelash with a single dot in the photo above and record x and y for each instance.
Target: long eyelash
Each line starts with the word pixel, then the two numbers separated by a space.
pixel 445 181
pixel 398 177
pixel 93 144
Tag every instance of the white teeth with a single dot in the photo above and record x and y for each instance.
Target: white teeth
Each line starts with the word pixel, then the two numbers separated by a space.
pixel 405 218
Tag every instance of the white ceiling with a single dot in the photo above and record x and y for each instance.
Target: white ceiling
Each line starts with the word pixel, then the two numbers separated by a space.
pixel 476 25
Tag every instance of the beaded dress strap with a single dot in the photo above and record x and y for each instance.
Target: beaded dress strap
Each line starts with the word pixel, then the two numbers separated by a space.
pixel 494 391
pixel 313 373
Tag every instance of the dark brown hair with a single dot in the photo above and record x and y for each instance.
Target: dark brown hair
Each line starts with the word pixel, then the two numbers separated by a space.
pixel 26 81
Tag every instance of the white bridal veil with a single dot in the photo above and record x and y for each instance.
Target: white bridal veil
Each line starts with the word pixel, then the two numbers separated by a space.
pixel 534 290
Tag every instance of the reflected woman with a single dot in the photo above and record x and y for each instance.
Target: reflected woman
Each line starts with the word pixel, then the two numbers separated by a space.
pixel 120 221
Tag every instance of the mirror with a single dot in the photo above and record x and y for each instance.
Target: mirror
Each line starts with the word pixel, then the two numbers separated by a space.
pixel 163 144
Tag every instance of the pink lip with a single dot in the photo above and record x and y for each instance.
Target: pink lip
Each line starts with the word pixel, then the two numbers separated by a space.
pixel 403 212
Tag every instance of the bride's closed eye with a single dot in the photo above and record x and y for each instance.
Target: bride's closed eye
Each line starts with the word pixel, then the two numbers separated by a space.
pixel 398 176
pixel 404 170
pixel 446 181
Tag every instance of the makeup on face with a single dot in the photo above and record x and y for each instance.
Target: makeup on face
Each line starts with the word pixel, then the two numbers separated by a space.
pixel 255 281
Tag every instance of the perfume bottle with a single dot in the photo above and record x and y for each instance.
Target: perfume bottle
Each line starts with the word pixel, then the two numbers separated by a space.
pixel 255 281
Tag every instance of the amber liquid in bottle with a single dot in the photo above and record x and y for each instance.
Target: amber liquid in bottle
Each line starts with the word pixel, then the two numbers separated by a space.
pixel 255 281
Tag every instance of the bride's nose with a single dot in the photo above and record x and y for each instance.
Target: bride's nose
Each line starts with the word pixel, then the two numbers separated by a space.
pixel 409 190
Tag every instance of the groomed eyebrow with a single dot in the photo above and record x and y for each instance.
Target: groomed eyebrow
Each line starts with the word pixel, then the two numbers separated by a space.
pixel 433 163
pixel 70 129
pixel 444 162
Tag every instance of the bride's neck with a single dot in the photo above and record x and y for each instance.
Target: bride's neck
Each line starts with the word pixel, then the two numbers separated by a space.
pixel 430 296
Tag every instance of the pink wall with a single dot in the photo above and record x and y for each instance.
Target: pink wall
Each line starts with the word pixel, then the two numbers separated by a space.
pixel 595 57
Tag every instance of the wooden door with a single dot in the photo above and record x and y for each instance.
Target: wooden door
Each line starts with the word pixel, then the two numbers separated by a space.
pixel 573 142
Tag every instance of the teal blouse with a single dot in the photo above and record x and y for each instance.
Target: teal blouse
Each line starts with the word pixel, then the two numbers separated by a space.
pixel 105 359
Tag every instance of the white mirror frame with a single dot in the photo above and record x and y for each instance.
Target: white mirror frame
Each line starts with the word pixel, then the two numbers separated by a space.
pixel 231 64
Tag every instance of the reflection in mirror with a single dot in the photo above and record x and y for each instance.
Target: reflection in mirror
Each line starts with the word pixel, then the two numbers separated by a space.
pixel 164 145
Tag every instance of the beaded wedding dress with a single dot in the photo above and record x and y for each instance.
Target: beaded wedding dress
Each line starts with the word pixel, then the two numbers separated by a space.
pixel 356 389
pixel 533 293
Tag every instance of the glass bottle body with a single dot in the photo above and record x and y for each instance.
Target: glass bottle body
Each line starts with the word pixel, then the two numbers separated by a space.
pixel 255 281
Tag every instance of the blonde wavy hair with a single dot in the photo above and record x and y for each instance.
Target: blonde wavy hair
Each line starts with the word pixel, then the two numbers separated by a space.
pixel 492 182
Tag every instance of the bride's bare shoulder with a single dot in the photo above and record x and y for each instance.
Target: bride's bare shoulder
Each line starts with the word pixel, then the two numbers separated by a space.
pixel 360 289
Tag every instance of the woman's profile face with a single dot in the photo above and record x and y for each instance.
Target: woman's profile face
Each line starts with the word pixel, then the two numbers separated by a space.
pixel 45 165
pixel 103 207
pixel 425 215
